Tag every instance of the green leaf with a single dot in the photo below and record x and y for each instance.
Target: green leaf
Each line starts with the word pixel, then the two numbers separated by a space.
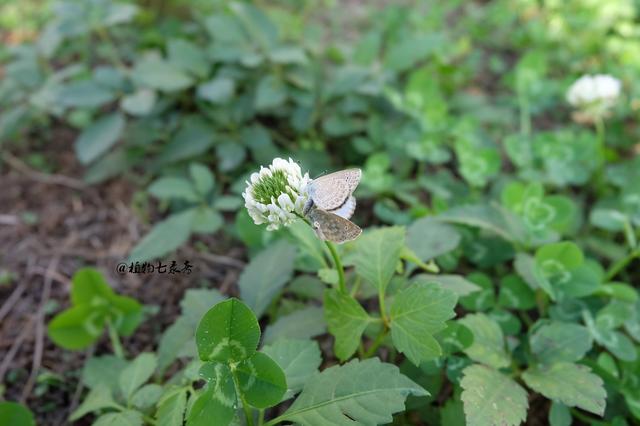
pixel 262 381
pixel 566 253
pixel 165 237
pixel 202 178
pixel 77 327
pixel 84 94
pixel 456 283
pixel 173 341
pixel 571 384
pixel 559 415
pixel 304 323
pixel 206 220
pixel 270 93
pixel 558 341
pixel 377 254
pixel 218 401
pixel 429 238
pixel 101 135
pixel 346 320
pixel 266 274
pixel 89 287
pixel 299 359
pixel 360 392
pixel 139 103
pixel 104 370
pixel 228 332
pixel 417 313
pixel 14 414
pixel 527 268
pixel 491 217
pixel 217 91
pixel 488 341
pixel 491 398
pixel 171 408
pixel 100 397
pixel 123 418
pixel 515 294
pixel 197 301
pixel 137 373
pixel 187 56
pixel 479 300
pixel 156 73
pixel 168 188
pixel 147 396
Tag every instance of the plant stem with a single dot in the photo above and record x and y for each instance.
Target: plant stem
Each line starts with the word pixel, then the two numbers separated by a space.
pixel 621 264
pixel 342 286
pixel 245 407
pixel 261 418
pixel 118 350
pixel 382 306
pixel 376 343
pixel 600 133
pixel 525 114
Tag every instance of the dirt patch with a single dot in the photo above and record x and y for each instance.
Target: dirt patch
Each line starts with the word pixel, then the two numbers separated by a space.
pixel 50 226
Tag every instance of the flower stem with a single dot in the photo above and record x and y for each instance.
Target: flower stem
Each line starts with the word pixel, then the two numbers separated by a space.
pixel 342 286
pixel 115 341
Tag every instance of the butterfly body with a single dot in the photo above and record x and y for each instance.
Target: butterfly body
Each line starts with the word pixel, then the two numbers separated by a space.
pixel 331 203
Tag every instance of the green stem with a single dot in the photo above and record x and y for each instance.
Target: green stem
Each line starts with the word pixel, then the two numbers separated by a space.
pixel 621 264
pixel 525 115
pixel 245 406
pixel 600 132
pixel 118 350
pixel 376 343
pixel 383 308
pixel 261 418
pixel 342 286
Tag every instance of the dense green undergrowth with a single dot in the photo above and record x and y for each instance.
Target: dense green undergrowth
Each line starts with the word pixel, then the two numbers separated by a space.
pixel 498 267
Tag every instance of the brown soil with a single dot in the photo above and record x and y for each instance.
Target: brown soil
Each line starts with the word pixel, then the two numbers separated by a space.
pixel 76 225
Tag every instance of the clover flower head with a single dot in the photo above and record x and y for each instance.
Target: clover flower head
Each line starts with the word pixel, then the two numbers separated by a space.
pixel 276 195
pixel 594 94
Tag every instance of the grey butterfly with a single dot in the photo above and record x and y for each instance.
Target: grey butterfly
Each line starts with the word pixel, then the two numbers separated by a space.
pixel 331 203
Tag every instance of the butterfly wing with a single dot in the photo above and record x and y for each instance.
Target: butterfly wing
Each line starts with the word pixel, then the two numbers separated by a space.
pixel 346 210
pixel 329 192
pixel 331 227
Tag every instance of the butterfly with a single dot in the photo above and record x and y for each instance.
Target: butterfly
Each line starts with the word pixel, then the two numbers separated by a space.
pixel 331 203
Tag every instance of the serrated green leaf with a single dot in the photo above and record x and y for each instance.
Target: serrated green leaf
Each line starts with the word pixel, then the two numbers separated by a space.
pixel 429 238
pixel 147 396
pixel 171 408
pixel 492 398
pixel 571 384
pixel 346 320
pixel 265 276
pixel 202 178
pixel 488 341
pixel 164 237
pixel 101 135
pixel 301 324
pixel 556 342
pixel 100 397
pixel 417 313
pixel 228 332
pixel 299 359
pixel 137 373
pixel 262 381
pixel 357 393
pixel 167 188
pixel 377 254
pixel 123 418
pixel 103 370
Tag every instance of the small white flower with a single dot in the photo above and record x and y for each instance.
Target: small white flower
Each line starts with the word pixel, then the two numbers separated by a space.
pixel 276 195
pixel 594 94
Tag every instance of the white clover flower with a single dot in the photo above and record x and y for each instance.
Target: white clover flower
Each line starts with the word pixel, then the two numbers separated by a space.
pixel 594 94
pixel 276 195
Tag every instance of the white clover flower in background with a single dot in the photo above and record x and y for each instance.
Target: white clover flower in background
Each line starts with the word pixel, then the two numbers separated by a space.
pixel 276 195
pixel 594 94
